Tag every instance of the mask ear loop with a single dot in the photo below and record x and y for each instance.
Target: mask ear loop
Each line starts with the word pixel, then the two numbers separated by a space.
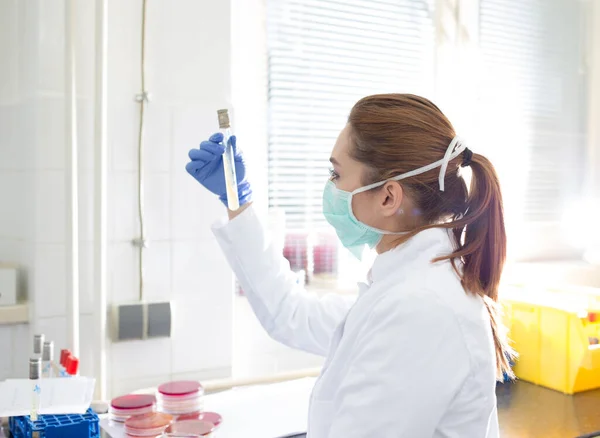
pixel 451 149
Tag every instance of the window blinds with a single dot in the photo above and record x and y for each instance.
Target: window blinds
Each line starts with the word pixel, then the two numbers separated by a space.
pixel 323 56
pixel 533 100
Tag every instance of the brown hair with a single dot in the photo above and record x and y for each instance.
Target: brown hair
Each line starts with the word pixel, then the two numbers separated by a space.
pixel 396 133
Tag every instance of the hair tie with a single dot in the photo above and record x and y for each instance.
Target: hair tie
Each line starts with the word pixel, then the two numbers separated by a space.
pixel 467 157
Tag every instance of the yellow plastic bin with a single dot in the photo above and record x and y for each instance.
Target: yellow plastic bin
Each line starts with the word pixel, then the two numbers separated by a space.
pixel 555 332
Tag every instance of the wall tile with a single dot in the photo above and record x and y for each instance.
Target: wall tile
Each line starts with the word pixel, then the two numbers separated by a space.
pixel 204 374
pixel 254 366
pixel 122 136
pixel 127 386
pixel 199 266
pixel 175 65
pixel 21 350
pixel 50 206
pixel 51 22
pixel 87 342
pixel 85 134
pixel 194 209
pixel 9 51
pixel 21 253
pixel 12 155
pixel 6 345
pixel 26 135
pixel 202 332
pixel 12 204
pixel 50 139
pixel 85 49
pixel 157 271
pixel 140 359
pixel 122 206
pixel 157 206
pixel 192 124
pixel 157 138
pixel 86 277
pixel 49 280
pixel 86 205
pixel 9 249
pixel 123 262
pixel 29 47
pixel 124 30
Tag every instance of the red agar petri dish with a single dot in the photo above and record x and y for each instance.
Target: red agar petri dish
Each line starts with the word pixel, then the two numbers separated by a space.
pixel 147 425
pixel 181 387
pixel 211 417
pixel 192 428
pixel 133 401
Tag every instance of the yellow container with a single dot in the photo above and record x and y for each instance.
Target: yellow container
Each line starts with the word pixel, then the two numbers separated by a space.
pixel 555 333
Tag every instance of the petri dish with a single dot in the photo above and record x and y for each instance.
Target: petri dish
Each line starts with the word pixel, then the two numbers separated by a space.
pixel 179 388
pixel 123 407
pixel 211 417
pixel 190 428
pixel 147 425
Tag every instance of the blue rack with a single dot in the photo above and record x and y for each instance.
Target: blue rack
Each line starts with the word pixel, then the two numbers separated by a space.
pixel 56 426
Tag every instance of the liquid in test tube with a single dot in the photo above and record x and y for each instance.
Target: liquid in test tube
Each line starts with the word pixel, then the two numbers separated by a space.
pixel 233 203
pixel 35 371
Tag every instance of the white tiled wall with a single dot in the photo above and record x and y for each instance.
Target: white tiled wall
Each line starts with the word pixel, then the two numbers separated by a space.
pixel 188 75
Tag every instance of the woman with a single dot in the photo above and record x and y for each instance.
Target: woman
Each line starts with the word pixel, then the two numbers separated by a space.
pixel 418 353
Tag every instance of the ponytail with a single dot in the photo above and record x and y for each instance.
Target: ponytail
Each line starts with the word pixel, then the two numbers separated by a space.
pixel 483 250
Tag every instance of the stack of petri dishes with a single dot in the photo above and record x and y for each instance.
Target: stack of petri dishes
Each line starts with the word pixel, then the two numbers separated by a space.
pixel 152 425
pixel 126 406
pixel 180 397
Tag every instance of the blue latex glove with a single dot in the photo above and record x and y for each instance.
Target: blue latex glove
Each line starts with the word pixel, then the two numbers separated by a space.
pixel 206 166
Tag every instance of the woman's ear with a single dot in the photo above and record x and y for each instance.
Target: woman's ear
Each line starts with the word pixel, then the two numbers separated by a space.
pixel 391 197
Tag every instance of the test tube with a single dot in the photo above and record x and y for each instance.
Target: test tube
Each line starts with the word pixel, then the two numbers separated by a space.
pixel 35 371
pixel 233 203
pixel 47 358
pixel 38 345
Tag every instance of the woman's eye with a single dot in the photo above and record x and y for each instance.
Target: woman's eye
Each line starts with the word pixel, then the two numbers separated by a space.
pixel 333 175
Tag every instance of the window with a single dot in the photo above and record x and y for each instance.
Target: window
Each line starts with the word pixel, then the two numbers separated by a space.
pixel 530 100
pixel 324 55
pixel 533 104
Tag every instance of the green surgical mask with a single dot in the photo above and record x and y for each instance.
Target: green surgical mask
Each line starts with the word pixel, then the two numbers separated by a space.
pixel 354 234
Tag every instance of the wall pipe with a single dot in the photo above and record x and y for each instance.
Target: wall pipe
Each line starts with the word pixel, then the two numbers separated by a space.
pixel 100 209
pixel 71 183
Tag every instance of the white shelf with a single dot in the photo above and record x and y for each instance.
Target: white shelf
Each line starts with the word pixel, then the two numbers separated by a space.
pixel 17 314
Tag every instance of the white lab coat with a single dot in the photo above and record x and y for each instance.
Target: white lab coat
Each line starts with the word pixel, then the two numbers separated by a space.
pixel 412 357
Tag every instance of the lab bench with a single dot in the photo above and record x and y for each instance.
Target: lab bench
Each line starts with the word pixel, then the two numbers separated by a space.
pixel 273 410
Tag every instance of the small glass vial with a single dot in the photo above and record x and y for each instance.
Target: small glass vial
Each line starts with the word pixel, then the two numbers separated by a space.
pixel 38 345
pixel 35 372
pixel 47 358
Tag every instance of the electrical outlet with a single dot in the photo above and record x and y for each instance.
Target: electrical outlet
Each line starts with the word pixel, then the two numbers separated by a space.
pixel 129 322
pixel 159 320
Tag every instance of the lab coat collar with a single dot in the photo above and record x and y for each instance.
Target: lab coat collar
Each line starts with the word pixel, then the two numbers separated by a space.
pixel 424 247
